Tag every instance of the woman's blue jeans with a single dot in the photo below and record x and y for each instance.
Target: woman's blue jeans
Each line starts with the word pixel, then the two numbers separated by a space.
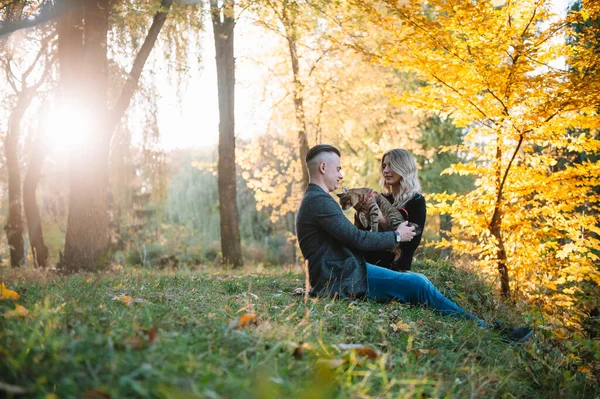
pixel 413 288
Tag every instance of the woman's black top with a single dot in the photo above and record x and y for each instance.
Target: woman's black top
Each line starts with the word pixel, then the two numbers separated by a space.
pixel 416 212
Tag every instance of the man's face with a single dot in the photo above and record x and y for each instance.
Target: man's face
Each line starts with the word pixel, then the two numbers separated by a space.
pixel 333 171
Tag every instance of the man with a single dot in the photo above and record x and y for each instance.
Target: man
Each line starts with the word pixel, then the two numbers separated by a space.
pixel 333 247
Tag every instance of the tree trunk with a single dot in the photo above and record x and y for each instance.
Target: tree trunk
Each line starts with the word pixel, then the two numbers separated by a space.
pixel 290 32
pixel 14 221
pixel 445 229
pixel 87 237
pixel 84 74
pixel 223 26
pixel 495 226
pixel 32 214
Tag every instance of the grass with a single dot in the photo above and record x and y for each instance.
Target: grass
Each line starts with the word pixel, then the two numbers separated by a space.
pixel 177 338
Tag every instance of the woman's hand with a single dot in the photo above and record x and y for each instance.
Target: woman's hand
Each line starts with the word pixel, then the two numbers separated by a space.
pixel 406 232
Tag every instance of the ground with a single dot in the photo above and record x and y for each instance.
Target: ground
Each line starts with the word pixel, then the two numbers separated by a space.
pixel 208 333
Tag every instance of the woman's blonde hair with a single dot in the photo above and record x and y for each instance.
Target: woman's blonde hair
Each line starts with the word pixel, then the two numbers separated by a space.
pixel 403 163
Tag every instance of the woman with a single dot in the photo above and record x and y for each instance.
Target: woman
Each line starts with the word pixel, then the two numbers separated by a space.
pixel 401 187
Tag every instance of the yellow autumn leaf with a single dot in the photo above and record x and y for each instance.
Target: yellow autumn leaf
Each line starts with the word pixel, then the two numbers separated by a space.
pixel 400 326
pixel 5 293
pixel 116 287
pixel 19 311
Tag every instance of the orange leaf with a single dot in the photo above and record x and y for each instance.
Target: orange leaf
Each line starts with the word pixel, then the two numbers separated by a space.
pixel 19 311
pixel 360 350
pixel 139 341
pixel 244 320
pixel 5 293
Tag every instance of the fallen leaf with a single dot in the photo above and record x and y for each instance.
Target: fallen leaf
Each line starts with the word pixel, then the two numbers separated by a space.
pixel 243 320
pixel 400 326
pixel 126 299
pixel 360 350
pixel 116 287
pixel 142 340
pixel 19 311
pixel 298 350
pixel 5 293
pixel 331 363
pixel 420 352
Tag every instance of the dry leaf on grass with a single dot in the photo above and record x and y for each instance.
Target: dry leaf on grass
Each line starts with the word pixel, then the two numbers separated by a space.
pixel 7 294
pixel 19 311
pixel 420 352
pixel 400 326
pixel 243 320
pixel 360 350
pixel 127 300
pixel 142 340
pixel 297 350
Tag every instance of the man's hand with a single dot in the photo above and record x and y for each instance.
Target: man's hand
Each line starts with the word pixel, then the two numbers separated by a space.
pixel 406 232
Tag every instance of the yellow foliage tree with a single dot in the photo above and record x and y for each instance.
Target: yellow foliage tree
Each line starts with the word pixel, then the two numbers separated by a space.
pixel 498 68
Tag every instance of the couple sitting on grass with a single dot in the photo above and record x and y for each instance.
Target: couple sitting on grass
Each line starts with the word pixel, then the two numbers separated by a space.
pixel 341 257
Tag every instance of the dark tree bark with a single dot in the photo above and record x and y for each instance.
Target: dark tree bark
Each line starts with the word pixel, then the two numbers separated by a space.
pixel 223 25
pixel 14 221
pixel 32 213
pixel 302 135
pixel 87 237
pixel 445 229
pixel 86 241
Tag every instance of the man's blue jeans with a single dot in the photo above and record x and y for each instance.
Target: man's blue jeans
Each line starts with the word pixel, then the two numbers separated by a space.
pixel 413 288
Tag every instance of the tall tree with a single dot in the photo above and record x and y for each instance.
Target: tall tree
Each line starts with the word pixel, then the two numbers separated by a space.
pixel 87 236
pixel 223 22
pixel 496 68
pixel 25 80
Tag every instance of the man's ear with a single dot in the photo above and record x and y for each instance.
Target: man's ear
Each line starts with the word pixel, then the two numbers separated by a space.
pixel 322 167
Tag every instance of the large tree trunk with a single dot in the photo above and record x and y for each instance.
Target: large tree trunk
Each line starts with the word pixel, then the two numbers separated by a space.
pixel 85 75
pixel 32 214
pixel 302 136
pixel 14 221
pixel 223 25
pixel 87 238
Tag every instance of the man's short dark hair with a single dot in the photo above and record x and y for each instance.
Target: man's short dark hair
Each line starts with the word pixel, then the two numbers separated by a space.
pixel 314 151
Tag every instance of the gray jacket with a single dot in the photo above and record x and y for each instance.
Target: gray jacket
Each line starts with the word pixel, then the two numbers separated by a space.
pixel 333 246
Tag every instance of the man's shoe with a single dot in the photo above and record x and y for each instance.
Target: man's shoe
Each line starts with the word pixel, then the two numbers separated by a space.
pixel 513 335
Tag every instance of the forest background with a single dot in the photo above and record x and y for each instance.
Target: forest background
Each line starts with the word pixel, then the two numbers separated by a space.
pixel 497 100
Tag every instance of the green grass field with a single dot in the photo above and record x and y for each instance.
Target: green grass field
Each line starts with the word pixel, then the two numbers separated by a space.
pixel 178 334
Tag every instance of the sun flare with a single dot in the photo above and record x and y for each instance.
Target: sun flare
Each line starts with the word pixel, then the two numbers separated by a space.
pixel 69 127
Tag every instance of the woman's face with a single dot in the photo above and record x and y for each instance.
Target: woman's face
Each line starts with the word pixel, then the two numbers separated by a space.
pixel 391 178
